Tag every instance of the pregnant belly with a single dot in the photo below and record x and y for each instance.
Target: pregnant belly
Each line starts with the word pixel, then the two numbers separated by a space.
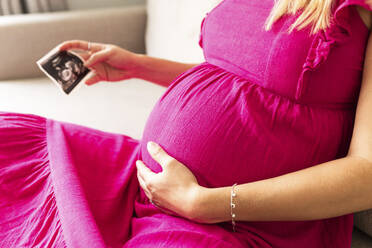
pixel 226 129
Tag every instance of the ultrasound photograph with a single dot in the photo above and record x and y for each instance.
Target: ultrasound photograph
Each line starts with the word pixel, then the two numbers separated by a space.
pixel 65 68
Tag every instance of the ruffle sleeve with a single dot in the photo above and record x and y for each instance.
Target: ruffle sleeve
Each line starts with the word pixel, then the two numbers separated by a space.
pixel 323 41
pixel 201 32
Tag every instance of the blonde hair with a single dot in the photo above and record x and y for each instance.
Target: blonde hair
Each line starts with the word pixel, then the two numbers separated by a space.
pixel 316 13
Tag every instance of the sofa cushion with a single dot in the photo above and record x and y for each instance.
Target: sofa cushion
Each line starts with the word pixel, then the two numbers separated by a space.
pixel 363 220
pixel 121 107
pixel 37 6
pixel 10 7
pixel 173 28
pixel 31 6
pixel 360 239
pixel 124 26
pixel 92 4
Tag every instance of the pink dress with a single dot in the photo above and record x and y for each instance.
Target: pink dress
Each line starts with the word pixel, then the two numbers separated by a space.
pixel 263 104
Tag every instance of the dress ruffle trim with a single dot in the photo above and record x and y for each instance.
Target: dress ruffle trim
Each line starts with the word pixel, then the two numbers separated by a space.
pixel 28 212
pixel 324 40
pixel 201 31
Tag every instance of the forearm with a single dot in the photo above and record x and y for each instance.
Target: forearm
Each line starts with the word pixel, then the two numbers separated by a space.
pixel 159 71
pixel 326 190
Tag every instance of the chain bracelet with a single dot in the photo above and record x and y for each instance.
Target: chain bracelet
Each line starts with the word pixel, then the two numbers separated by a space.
pixel 233 206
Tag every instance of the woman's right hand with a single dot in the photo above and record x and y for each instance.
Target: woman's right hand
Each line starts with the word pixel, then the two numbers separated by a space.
pixel 107 62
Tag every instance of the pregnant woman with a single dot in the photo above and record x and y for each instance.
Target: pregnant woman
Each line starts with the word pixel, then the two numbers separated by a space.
pixel 267 143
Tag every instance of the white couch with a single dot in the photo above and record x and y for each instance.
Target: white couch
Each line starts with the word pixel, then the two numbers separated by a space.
pixel 115 107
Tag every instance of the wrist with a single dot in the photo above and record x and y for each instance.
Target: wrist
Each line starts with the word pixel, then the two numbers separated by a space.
pixel 139 65
pixel 211 205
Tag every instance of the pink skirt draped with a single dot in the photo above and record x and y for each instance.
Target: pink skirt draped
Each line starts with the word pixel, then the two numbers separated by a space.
pixel 61 188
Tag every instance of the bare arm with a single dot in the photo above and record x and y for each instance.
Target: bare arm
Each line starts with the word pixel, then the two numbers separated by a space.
pixel 112 63
pixel 323 191
pixel 326 190
pixel 159 71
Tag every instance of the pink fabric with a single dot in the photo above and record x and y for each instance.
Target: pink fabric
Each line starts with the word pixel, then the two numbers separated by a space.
pixel 64 185
pixel 262 105
pixel 306 69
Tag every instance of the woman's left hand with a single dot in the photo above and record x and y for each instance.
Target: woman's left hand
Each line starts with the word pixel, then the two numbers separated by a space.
pixel 175 189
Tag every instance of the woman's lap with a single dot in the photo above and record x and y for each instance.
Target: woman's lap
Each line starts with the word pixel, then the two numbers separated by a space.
pixel 63 184
pixel 59 176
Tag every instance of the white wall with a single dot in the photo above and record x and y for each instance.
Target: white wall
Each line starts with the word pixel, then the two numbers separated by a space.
pixel 89 4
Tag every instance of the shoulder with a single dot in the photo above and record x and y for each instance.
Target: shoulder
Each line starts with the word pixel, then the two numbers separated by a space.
pixel 365 15
pixel 369 2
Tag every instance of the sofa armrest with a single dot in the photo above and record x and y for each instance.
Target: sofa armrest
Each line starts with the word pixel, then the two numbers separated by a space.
pixel 26 38
pixel 360 239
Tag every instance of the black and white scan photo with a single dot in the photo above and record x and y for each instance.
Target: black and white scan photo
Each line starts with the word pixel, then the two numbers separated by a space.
pixel 65 68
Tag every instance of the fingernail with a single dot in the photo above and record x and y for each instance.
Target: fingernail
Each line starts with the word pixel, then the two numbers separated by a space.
pixel 87 62
pixel 151 146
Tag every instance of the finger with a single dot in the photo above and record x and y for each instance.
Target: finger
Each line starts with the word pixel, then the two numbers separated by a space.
pixel 73 44
pixel 144 172
pixel 166 211
pixel 143 186
pixel 93 79
pixel 85 55
pixel 79 45
pixel 98 57
pixel 158 154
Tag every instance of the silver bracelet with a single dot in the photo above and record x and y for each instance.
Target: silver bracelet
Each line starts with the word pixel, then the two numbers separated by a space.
pixel 233 206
